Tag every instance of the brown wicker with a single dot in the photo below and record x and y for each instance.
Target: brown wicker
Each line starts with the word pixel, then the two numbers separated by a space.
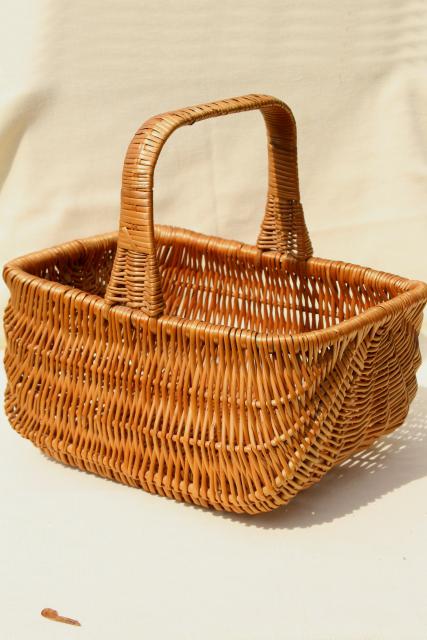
pixel 204 369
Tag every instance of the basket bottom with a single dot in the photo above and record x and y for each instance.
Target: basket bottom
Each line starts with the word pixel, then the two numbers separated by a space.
pixel 258 505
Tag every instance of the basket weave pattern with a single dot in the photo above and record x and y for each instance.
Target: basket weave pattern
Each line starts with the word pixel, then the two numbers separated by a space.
pixel 202 369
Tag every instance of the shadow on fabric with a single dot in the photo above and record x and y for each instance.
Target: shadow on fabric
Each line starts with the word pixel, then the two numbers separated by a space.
pixel 391 462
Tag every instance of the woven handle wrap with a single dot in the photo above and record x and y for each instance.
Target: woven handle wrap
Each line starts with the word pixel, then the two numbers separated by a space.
pixel 135 279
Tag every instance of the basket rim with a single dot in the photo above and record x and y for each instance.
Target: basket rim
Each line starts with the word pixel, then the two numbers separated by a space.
pixel 411 292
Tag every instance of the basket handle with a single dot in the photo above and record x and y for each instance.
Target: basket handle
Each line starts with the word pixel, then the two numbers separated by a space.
pixel 135 279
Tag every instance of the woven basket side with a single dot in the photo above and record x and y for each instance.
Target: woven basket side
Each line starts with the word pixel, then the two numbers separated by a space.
pixel 199 415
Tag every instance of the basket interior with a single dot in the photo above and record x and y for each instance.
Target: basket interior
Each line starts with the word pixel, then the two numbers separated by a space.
pixel 230 289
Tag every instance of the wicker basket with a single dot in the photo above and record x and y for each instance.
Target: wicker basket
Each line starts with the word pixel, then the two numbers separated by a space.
pixel 203 369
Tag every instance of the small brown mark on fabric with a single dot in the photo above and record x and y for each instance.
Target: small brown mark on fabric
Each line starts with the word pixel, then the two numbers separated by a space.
pixel 53 615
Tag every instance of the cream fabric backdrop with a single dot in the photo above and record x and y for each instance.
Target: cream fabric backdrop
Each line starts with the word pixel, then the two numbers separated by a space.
pixel 78 78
